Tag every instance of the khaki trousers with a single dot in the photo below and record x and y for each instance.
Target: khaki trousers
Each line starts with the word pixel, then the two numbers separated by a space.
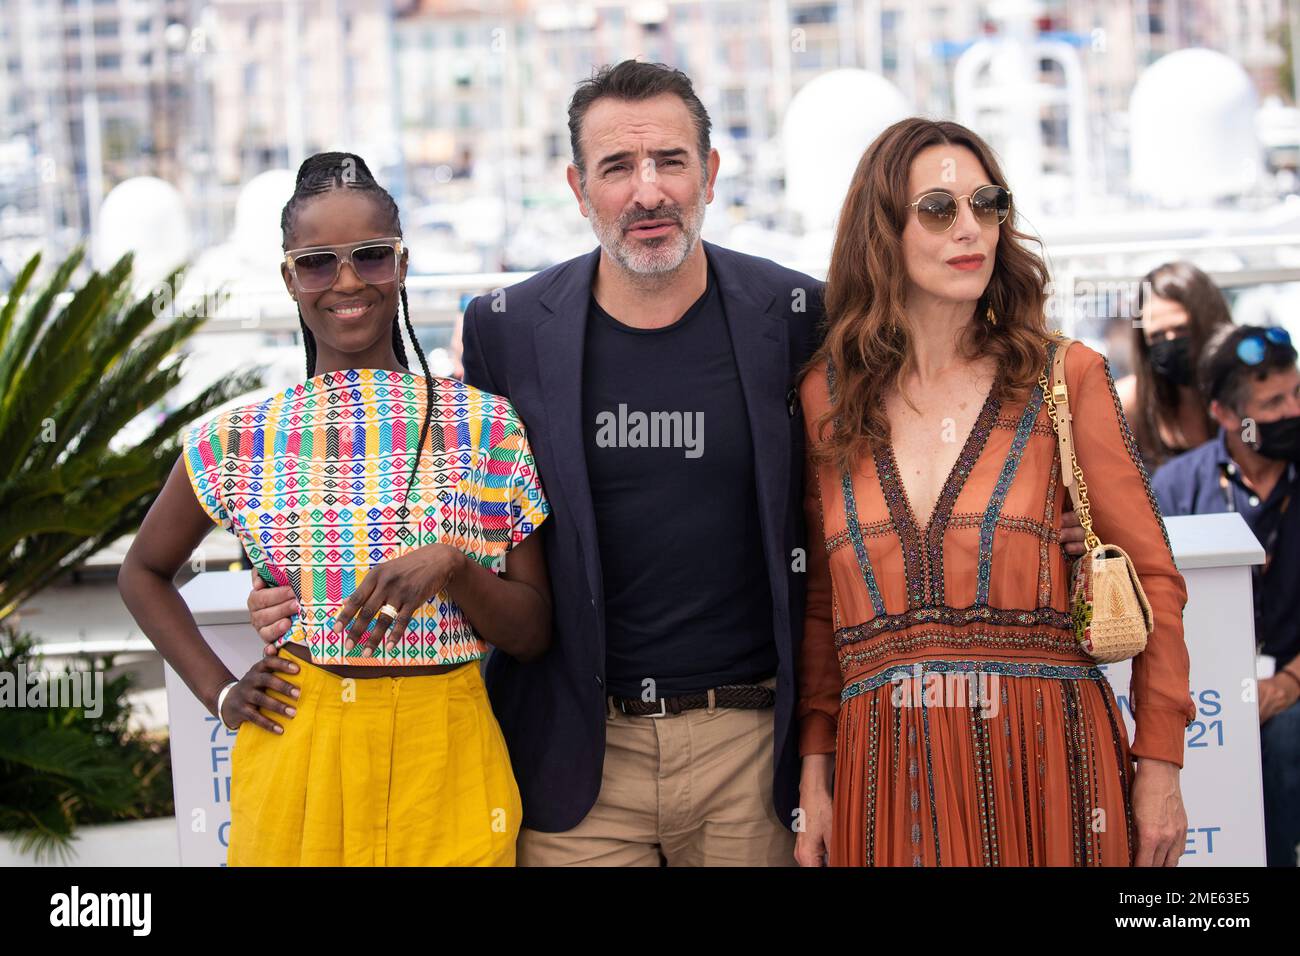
pixel 689 790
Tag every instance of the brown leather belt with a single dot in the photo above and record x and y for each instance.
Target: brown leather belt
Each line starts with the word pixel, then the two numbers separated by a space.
pixel 737 696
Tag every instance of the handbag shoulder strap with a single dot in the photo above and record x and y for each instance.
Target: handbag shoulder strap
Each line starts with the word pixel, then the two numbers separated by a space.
pixel 1060 397
pixel 1058 400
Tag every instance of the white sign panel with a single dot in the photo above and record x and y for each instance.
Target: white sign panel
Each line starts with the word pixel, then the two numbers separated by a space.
pixel 200 745
pixel 1221 782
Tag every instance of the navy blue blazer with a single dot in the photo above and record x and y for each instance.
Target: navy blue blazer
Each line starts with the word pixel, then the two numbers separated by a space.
pixel 526 343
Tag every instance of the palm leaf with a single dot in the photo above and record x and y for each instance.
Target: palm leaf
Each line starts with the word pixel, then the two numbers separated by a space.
pixel 110 339
pixel 59 363
pixel 15 294
pixel 69 384
pixel 17 347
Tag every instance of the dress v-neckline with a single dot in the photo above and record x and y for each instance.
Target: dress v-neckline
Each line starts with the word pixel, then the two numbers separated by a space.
pixel 954 477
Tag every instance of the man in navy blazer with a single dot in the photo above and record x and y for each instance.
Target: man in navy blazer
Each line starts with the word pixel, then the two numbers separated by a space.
pixel 551 345
pixel 655 377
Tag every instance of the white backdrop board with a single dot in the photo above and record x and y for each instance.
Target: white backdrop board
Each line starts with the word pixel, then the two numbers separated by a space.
pixel 1221 784
pixel 200 745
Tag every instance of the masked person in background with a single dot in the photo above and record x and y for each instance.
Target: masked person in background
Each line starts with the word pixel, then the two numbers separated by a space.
pixel 1180 307
pixel 1251 384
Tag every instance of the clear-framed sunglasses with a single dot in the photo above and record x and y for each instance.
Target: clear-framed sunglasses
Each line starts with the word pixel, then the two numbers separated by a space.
pixel 315 268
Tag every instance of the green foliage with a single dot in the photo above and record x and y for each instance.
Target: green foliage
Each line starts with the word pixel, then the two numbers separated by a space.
pixel 70 380
pixel 60 768
pixel 76 367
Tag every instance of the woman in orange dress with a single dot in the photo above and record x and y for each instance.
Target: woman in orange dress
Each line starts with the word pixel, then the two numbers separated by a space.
pixel 942 688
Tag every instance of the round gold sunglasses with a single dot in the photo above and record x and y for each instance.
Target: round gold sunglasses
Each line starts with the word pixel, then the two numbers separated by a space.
pixel 937 211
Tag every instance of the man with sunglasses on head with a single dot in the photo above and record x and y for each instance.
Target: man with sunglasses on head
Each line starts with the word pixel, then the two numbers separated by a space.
pixel 1249 378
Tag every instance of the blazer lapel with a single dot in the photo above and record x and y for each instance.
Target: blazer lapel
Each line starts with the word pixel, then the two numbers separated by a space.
pixel 759 338
pixel 559 339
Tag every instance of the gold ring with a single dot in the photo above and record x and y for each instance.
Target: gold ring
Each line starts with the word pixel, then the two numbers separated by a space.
pixel 389 611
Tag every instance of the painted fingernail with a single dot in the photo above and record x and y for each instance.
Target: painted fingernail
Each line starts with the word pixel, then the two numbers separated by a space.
pixel 279 729
pixel 290 711
pixel 293 669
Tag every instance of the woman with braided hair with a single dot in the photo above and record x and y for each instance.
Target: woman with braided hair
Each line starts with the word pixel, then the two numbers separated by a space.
pixel 388 501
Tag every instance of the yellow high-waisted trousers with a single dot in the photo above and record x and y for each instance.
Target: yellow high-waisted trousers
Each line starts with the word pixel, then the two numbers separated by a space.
pixel 378 771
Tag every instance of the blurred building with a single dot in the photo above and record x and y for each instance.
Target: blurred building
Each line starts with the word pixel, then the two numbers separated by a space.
pixel 298 76
pixel 93 92
pixel 489 82
pixel 451 100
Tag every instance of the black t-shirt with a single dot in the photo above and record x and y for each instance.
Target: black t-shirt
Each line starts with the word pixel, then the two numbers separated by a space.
pixel 671 467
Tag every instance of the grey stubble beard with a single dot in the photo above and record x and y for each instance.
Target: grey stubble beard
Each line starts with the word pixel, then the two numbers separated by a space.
pixel 643 261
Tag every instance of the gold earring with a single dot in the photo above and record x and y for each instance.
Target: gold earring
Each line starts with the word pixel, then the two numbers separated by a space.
pixel 988 314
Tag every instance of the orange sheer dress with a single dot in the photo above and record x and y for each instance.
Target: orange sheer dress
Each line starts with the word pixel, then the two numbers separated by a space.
pixel 940 665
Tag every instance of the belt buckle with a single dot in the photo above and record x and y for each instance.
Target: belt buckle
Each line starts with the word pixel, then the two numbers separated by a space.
pixel 663 709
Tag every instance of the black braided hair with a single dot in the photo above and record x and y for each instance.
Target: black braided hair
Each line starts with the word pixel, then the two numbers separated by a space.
pixel 321 173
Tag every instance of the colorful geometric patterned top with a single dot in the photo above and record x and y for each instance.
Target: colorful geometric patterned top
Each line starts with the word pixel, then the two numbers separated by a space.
pixel 311 482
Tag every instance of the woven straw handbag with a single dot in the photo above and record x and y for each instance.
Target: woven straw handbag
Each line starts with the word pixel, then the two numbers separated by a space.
pixel 1112 617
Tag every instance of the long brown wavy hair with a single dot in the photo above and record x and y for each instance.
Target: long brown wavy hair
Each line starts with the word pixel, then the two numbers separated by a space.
pixel 1157 397
pixel 867 339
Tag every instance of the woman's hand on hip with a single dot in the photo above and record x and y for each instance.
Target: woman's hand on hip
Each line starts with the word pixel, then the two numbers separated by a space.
pixel 405 584
pixel 1158 813
pixel 250 694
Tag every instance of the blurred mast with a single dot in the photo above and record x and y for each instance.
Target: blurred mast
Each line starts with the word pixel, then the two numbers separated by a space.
pixel 292 86
pixel 779 11
pixel 1293 24
pixel 90 119
pixel 873 54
